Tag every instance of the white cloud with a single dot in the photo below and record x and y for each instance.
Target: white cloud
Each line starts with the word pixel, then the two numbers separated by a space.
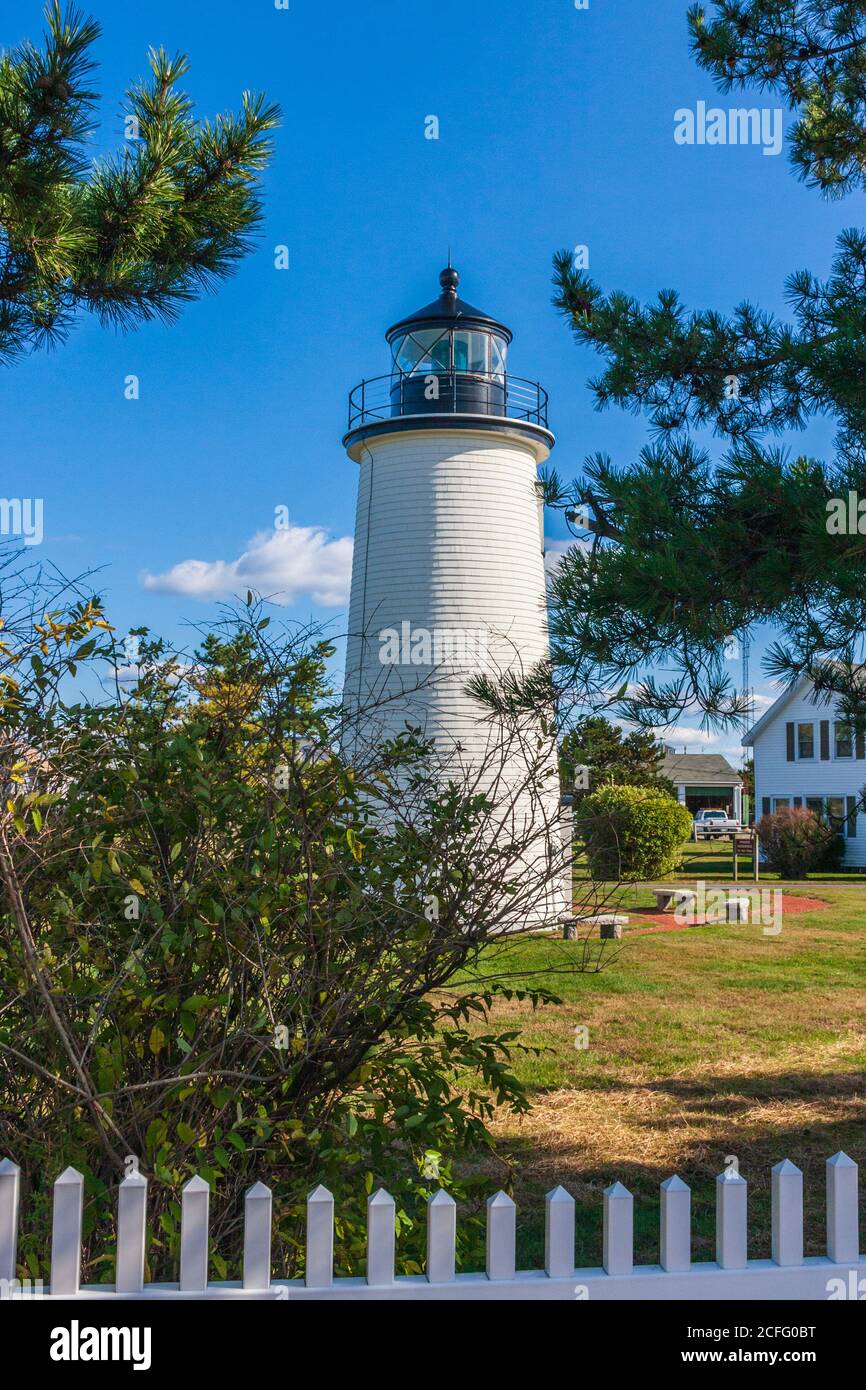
pixel 131 675
pixel 554 551
pixel 702 741
pixel 284 565
pixel 683 736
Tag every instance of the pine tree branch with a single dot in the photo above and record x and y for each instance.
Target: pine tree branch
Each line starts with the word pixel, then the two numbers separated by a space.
pixel 140 234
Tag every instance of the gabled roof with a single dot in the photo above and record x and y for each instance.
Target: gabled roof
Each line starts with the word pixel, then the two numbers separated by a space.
pixel 775 710
pixel 699 769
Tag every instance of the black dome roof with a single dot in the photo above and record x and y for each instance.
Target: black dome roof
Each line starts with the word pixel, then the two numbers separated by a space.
pixel 449 311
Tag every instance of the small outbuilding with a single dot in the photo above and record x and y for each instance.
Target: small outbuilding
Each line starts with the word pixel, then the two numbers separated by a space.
pixel 704 781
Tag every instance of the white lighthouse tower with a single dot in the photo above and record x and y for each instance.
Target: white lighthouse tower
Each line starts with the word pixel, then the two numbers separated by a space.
pixel 448 568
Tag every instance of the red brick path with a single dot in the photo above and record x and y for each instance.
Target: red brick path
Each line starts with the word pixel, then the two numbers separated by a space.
pixel 666 921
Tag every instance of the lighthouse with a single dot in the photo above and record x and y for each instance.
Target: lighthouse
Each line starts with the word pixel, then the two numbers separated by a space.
pixel 448 567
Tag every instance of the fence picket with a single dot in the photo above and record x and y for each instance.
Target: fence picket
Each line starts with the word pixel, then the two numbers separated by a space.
pixel 731 1216
pixel 10 1180
pixel 618 1255
pixel 787 1276
pixel 843 1237
pixel 320 1239
pixel 66 1232
pixel 676 1225
pixel 559 1233
pixel 501 1237
pixel 381 1237
pixel 257 1237
pixel 787 1218
pixel 131 1233
pixel 194 1211
pixel 441 1237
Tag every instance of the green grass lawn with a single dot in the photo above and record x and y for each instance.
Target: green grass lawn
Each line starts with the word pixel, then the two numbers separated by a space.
pixel 713 859
pixel 703 1043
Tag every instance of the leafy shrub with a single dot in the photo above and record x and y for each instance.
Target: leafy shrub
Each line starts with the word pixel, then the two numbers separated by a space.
pixel 223 945
pixel 796 842
pixel 632 832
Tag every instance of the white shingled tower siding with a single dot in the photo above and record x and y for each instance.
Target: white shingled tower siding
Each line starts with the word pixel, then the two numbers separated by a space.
pixel 448 540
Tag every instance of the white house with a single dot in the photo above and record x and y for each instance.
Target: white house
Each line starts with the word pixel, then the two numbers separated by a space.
pixel 805 756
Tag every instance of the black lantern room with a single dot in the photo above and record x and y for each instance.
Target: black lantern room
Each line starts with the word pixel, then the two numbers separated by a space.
pixel 448 358
pixel 448 349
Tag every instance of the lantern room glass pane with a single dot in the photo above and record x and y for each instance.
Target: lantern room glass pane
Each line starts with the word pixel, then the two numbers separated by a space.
pixel 426 350
pixel 470 351
pixel 498 350
pixel 440 353
pixel 406 353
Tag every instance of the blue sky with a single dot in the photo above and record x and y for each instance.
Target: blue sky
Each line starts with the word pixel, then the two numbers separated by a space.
pixel 556 129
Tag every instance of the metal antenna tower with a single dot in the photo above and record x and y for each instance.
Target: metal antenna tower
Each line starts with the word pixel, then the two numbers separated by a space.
pixel 748 716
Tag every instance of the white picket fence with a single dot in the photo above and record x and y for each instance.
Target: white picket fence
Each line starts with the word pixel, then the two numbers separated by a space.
pixel 787 1275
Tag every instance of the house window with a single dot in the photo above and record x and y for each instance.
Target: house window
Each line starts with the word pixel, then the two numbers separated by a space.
pixel 805 741
pixel 781 803
pixel 844 738
pixel 815 804
pixel 836 811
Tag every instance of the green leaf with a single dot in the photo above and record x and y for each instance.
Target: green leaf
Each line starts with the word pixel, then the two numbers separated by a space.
pixel 195 1002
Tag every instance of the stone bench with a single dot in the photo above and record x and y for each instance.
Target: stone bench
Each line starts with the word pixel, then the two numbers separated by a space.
pixel 737 909
pixel 679 897
pixel 610 925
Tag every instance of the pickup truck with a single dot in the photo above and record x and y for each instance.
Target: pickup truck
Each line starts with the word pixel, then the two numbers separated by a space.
pixel 712 825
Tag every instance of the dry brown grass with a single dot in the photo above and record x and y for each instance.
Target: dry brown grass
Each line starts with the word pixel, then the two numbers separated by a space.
pixel 704 1044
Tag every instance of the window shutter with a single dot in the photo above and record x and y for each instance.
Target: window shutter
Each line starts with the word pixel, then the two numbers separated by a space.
pixel 765 806
pixel 861 745
pixel 851 806
pixel 825 740
pixel 789 735
pixel 798 801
